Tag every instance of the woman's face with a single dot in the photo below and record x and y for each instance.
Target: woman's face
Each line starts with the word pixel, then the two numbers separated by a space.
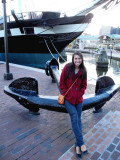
pixel 77 61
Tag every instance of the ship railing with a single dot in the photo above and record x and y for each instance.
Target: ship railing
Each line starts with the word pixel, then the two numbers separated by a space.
pixel 28 15
pixel 25 16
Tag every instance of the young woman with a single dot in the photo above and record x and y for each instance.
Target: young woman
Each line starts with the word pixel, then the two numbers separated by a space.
pixel 74 97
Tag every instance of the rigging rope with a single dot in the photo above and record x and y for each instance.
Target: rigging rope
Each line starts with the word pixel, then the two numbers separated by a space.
pixel 78 7
pixel 109 9
pixel 45 30
pixel 49 50
pixel 115 4
pixel 105 6
pixel 57 51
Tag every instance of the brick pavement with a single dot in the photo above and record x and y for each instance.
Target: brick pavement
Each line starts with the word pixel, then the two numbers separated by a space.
pixel 102 141
pixel 44 137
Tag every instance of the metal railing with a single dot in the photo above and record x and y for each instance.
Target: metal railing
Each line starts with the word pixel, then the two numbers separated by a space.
pixel 28 15
pixel 25 15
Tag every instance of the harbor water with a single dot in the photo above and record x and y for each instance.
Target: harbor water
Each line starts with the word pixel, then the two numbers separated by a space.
pixel 112 71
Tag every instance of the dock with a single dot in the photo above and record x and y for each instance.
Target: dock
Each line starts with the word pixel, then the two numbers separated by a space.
pixel 110 53
pixel 49 136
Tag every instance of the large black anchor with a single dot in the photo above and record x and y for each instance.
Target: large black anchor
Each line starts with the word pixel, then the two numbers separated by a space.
pixel 25 91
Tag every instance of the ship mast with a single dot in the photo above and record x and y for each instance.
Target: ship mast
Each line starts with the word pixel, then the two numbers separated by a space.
pixel 96 3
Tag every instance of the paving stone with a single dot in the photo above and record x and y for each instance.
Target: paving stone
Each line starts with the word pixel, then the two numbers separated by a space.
pixel 16 131
pixel 85 157
pixel 118 135
pixel 94 130
pixel 66 156
pixel 115 155
pixel 105 155
pixel 95 156
pixel 2 147
pixel 118 147
pixel 116 140
pixel 17 149
pixel 111 147
pixel 22 136
pixel 99 141
pixel 102 148
pixel 93 148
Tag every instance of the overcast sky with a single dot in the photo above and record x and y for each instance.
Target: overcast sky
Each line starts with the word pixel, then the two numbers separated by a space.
pixel 71 7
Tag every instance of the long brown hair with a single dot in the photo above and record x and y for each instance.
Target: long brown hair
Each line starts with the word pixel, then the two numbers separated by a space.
pixel 82 67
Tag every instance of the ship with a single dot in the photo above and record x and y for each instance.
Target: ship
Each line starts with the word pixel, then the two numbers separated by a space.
pixel 36 37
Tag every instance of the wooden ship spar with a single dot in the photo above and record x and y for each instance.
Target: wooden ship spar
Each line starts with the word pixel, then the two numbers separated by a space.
pixel 34 37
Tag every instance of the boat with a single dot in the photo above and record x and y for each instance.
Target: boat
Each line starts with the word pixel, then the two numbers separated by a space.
pixel 35 37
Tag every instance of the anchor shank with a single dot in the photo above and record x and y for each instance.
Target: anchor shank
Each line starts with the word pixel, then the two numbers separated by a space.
pixel 56 75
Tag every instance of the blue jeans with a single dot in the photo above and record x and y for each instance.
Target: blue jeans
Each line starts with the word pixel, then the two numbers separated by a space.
pixel 75 115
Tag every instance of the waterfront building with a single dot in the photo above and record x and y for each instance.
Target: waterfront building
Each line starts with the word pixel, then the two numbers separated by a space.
pixel 89 40
pixel 111 41
pixel 109 30
pixel 104 30
pixel 107 41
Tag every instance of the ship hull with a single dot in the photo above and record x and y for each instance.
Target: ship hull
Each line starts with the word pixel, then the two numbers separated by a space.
pixel 38 43
pixel 35 60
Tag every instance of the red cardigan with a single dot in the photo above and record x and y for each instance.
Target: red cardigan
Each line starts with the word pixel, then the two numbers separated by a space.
pixel 75 94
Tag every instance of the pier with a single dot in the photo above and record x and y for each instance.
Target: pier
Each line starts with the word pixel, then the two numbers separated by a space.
pixel 48 136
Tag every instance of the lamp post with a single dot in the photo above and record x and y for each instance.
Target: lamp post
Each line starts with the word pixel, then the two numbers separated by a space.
pixel 110 49
pixel 7 75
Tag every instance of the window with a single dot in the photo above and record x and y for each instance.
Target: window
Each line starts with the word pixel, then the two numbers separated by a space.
pixel 1 27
